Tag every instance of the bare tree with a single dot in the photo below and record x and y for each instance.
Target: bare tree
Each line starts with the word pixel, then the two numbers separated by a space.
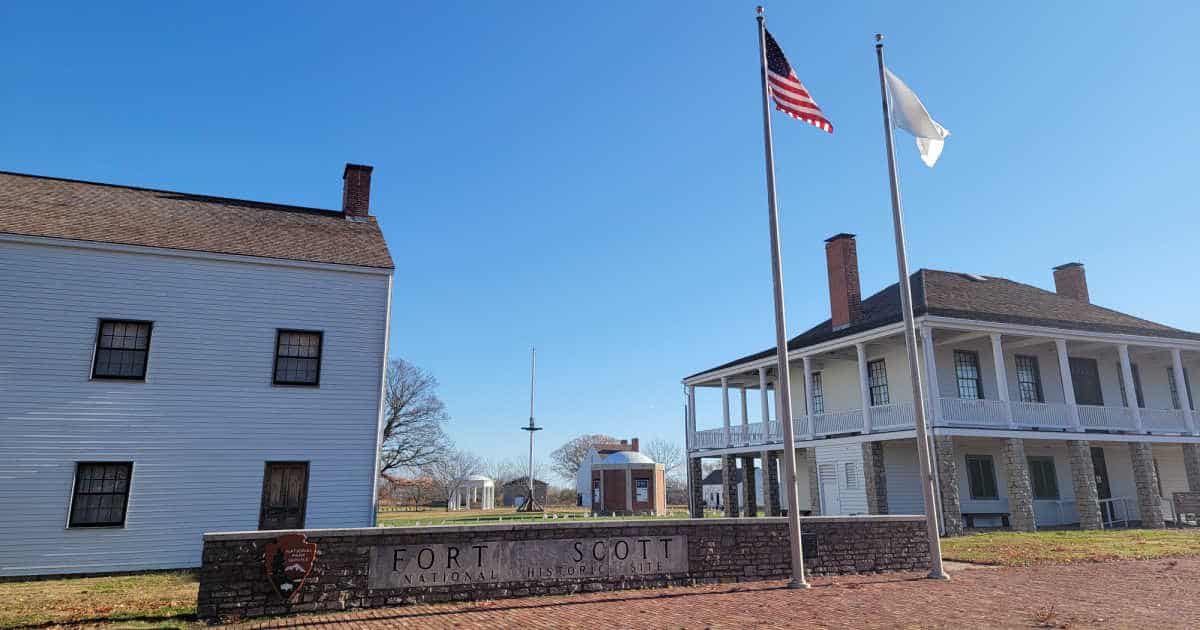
pixel 667 453
pixel 565 460
pixel 450 471
pixel 413 419
pixel 502 471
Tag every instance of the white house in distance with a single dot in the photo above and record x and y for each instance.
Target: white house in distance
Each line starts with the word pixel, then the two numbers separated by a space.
pixel 176 364
pixel 595 455
pixel 1045 409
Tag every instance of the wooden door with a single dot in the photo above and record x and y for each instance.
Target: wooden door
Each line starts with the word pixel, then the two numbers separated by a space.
pixel 1103 489
pixel 1085 376
pixel 831 496
pixel 284 495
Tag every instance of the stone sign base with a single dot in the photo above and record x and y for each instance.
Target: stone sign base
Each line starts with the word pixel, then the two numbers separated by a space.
pixel 370 567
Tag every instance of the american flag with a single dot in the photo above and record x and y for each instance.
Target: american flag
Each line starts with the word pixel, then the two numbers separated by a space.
pixel 789 93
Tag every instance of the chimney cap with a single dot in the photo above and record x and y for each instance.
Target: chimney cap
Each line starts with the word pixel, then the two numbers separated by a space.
pixel 1069 265
pixel 839 236
pixel 356 167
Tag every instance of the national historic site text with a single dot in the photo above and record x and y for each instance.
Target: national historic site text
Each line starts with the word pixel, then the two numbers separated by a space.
pixel 394 566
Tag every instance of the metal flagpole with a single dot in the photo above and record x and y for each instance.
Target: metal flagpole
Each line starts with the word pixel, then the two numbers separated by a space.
pixel 783 385
pixel 530 505
pixel 936 571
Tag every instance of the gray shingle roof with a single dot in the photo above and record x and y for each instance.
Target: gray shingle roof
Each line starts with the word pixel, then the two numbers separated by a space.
pixel 61 208
pixel 994 299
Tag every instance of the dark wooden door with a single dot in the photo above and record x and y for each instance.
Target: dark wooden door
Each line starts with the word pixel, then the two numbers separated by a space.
pixel 284 495
pixel 1103 490
pixel 1085 376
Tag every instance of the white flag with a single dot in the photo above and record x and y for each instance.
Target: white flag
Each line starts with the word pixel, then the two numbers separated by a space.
pixel 910 115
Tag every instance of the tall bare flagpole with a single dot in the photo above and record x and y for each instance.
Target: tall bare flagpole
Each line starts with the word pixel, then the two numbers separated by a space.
pixel 936 570
pixel 783 383
pixel 531 505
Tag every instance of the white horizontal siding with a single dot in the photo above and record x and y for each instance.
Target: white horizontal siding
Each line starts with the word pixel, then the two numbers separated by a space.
pixel 201 426
pixel 851 500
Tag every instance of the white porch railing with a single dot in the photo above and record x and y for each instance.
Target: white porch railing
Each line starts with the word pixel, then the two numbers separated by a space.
pixel 1163 420
pixel 837 422
pixel 1096 417
pixel 1116 510
pixel 963 412
pixel 1041 415
pixel 974 412
pixel 710 438
pixel 892 417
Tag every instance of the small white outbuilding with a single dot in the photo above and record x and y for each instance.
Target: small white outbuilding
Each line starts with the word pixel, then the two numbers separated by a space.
pixel 476 492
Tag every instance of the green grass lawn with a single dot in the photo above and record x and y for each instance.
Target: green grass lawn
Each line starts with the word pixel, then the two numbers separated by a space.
pixel 157 600
pixel 1064 547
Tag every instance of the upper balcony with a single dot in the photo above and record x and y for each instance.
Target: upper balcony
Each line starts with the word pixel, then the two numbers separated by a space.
pixel 982 379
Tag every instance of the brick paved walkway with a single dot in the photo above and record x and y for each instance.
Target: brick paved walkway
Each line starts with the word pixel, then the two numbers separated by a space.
pixel 1143 594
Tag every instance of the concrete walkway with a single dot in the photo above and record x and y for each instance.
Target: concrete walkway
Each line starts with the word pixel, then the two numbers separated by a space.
pixel 1138 594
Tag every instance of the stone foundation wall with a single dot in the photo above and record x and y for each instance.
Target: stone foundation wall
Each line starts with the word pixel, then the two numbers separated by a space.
pixel 234 582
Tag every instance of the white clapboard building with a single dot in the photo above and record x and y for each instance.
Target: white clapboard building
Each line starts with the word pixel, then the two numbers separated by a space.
pixel 1046 409
pixel 176 363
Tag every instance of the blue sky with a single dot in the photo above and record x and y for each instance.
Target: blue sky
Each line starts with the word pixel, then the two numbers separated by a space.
pixel 589 179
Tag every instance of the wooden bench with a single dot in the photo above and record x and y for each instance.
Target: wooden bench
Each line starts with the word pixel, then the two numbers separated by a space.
pixel 969 517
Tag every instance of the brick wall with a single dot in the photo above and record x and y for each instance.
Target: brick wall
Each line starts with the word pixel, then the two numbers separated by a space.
pixel 233 581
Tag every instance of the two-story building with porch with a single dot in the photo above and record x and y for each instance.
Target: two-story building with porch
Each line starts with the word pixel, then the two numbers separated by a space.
pixel 1045 409
pixel 173 364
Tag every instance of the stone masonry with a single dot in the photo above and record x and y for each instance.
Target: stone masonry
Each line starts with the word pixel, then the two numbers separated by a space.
pixel 874 478
pixel 1146 480
pixel 695 490
pixel 947 463
pixel 749 486
pixel 814 484
pixel 1191 465
pixel 1083 479
pixel 233 582
pixel 771 478
pixel 729 494
pixel 1020 488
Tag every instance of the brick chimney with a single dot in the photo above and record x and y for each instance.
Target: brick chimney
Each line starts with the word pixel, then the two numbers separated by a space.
pixel 845 297
pixel 356 190
pixel 1070 280
pixel 635 445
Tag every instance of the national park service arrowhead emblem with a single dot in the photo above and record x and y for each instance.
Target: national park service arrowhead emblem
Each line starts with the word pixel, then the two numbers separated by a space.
pixel 288 561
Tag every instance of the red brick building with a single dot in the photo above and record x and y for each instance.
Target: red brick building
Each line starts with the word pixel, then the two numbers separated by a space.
pixel 628 482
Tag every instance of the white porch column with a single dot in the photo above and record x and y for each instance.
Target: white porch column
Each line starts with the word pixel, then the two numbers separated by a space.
pixel 1130 390
pixel 809 416
pixel 763 402
pixel 689 420
pixel 864 388
pixel 933 392
pixel 1064 372
pixel 725 409
pixel 745 419
pixel 1185 397
pixel 1002 378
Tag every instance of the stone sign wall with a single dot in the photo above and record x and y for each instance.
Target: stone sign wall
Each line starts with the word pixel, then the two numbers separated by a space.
pixel 366 567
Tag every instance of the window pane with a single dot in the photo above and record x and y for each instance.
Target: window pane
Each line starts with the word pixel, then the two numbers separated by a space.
pixel 877 380
pixel 818 394
pixel 298 357
pixel 966 371
pixel 101 494
pixel 981 477
pixel 1029 379
pixel 121 350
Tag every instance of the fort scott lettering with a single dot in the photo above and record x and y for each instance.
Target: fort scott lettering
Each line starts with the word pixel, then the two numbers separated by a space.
pixel 393 566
